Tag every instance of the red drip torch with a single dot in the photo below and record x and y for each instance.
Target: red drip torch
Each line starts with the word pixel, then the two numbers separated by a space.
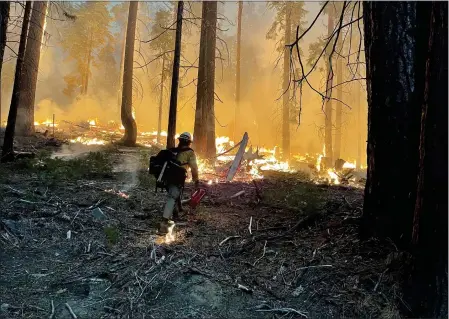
pixel 196 197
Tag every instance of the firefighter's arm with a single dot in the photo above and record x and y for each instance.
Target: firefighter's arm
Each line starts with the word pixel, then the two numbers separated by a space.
pixel 193 167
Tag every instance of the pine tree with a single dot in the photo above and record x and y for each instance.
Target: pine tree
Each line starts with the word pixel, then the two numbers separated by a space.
pixel 83 41
pixel 289 15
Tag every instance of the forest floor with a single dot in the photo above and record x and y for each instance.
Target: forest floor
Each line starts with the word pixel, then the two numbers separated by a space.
pixel 81 231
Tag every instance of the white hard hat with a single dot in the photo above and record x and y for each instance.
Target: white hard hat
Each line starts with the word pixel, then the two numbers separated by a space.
pixel 185 136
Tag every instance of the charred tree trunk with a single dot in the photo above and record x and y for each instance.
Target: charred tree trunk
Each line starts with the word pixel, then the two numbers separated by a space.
pixel 338 108
pixel 8 143
pixel 171 132
pixel 406 55
pixel 129 139
pixel 328 103
pixel 285 86
pixel 237 71
pixel 161 99
pixel 428 291
pixel 204 131
pixel 25 112
pixel 393 118
pixel 4 17
pixel 211 17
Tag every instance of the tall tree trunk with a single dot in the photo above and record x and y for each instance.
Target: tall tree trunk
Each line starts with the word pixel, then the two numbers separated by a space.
pixel 204 130
pixel 8 143
pixel 87 74
pixel 237 72
pixel 285 87
pixel 4 17
pixel 393 118
pixel 130 137
pixel 25 112
pixel 405 195
pixel 161 99
pixel 328 103
pixel 338 108
pixel 122 62
pixel 359 127
pixel 428 293
pixel 171 132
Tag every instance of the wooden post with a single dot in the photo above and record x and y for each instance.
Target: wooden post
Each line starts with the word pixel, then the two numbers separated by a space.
pixel 53 125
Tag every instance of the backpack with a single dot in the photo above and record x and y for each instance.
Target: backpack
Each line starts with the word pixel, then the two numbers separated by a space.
pixel 167 169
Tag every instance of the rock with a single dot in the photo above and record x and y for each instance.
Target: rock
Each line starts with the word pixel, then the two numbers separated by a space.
pixel 97 213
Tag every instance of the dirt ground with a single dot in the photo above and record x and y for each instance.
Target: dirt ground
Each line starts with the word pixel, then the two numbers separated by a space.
pixel 79 235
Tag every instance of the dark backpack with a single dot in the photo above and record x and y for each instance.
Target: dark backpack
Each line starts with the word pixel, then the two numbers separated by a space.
pixel 167 169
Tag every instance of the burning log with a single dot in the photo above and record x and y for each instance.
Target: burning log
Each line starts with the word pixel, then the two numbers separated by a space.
pixel 345 176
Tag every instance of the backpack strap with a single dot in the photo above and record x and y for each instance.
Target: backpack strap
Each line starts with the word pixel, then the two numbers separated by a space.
pixel 182 150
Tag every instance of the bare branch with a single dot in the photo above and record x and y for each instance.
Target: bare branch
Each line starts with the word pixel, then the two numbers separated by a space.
pixel 157 57
pixel 311 25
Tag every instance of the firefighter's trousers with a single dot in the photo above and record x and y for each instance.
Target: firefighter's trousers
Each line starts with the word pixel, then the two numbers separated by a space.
pixel 174 193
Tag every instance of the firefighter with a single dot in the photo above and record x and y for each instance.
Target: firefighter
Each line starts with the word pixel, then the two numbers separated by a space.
pixel 186 156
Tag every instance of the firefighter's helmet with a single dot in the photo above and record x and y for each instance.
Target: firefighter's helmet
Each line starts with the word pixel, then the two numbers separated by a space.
pixel 185 136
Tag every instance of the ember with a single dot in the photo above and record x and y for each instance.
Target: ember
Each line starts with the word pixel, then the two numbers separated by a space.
pixel 119 193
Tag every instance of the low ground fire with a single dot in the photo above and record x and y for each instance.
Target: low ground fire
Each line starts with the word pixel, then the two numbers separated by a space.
pixel 253 166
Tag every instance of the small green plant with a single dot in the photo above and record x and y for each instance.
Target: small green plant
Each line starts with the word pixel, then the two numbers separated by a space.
pixel 112 235
pixel 94 164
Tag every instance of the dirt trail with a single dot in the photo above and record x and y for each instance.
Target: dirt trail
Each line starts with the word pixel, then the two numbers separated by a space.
pixel 301 256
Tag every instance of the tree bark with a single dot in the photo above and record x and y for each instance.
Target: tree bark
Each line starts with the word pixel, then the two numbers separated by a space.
pixel 237 71
pixel 328 103
pixel 285 87
pixel 171 132
pixel 161 99
pixel 405 195
pixel 8 143
pixel 25 112
pixel 428 287
pixel 393 119
pixel 338 108
pixel 130 137
pixel 204 130
pixel 4 17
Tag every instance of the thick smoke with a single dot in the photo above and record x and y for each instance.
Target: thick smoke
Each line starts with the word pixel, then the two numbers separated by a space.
pixel 261 100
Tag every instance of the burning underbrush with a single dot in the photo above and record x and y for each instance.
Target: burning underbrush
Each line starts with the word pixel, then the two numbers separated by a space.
pixel 254 165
